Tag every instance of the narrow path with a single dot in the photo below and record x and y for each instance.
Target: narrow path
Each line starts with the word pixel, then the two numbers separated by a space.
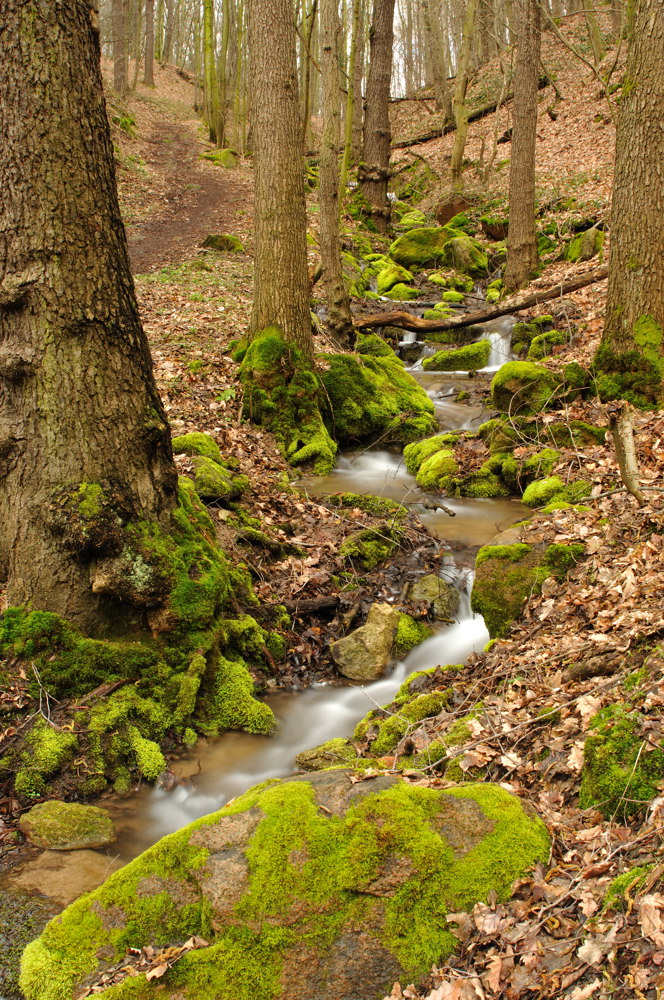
pixel 202 199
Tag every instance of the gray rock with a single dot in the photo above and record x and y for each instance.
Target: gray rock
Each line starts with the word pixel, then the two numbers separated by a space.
pixel 364 654
pixel 432 589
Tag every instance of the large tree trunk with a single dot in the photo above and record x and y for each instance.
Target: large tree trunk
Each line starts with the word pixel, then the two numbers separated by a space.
pixel 338 307
pixel 521 239
pixel 433 26
pixel 374 171
pixel 635 297
pixel 148 75
pixel 281 281
pixel 459 103
pixel 79 409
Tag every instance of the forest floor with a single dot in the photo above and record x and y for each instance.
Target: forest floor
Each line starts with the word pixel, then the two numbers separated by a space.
pixel 580 646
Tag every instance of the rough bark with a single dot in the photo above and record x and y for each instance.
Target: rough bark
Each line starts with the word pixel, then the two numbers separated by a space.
pixel 78 401
pixel 635 298
pixel 351 96
pixel 120 68
pixel 358 79
pixel 281 281
pixel 459 103
pixel 374 170
pixel 522 240
pixel 211 91
pixel 338 306
pixel 148 75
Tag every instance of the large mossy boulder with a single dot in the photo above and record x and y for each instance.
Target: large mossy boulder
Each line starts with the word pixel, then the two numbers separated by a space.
pixel 374 397
pixel 391 275
pixel 523 387
pixel 469 358
pixel 316 886
pixel 420 248
pixel 463 254
pixel 364 654
pixel 67 826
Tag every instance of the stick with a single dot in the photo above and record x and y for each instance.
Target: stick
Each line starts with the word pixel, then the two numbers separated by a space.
pixel 407 321
pixel 622 431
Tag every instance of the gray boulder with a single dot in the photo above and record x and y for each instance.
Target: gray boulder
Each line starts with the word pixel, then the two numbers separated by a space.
pixel 364 654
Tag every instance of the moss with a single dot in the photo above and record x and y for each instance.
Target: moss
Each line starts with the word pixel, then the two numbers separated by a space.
pixel 482 484
pixel 452 296
pixel 452 280
pixel 506 575
pixel 370 397
pixel 420 248
pixel 387 730
pixel 559 559
pixel 541 462
pixel 543 491
pixel 333 753
pixel 465 255
pixel 227 701
pixel 409 633
pixel 634 375
pixel 214 482
pixel 472 357
pixel 197 443
pixel 224 243
pixel 416 453
pixel 370 547
pixel 620 775
pixel 371 343
pixel 392 274
pixel 402 293
pixel 284 394
pixel 150 761
pixel 413 219
pixel 622 889
pixel 435 469
pixel 48 750
pixel 226 158
pixel 440 311
pixel 523 387
pixel 377 506
pixel 585 245
pixel 542 345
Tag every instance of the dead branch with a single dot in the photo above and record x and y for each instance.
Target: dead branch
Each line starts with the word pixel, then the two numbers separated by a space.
pixel 622 432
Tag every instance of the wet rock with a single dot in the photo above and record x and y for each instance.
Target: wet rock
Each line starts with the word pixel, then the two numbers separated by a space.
pixel 364 654
pixel 64 876
pixel 433 590
pixel 22 919
pixel 330 754
pixel 320 886
pixel 67 826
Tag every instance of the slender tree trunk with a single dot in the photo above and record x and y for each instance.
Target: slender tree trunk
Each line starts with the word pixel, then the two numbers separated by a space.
pixel 79 408
pixel 120 72
pixel 433 27
pixel 281 281
pixel 211 91
pixel 223 74
pixel 459 104
pixel 309 20
pixel 521 240
pixel 148 76
pixel 358 79
pixel 374 171
pixel 634 319
pixel 159 32
pixel 338 307
pixel 169 30
pixel 352 97
pixel 595 36
pixel 137 33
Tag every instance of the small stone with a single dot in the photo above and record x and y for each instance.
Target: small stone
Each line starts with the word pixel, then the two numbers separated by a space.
pixel 434 590
pixel 364 654
pixel 67 826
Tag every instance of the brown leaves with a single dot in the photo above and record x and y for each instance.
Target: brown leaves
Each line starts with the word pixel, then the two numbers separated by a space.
pixel 151 962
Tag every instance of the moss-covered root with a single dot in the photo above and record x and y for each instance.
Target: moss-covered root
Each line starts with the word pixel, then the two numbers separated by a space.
pixel 283 393
pixel 287 879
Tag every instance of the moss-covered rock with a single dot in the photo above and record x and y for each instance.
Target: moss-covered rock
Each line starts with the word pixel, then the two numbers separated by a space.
pixel 412 219
pixel 542 345
pixel 391 510
pixel 423 247
pixel 368 548
pixel 409 633
pixel 224 242
pixel 310 886
pixel 495 227
pixel 585 246
pixel 226 158
pixel 214 482
pixel 438 593
pixel 435 470
pixel 372 397
pixel 452 280
pixel 523 387
pixel 392 274
pixel 364 654
pixel 416 453
pixel 552 488
pixel 334 753
pixel 372 344
pixel 621 774
pixel 469 358
pixel 67 826
pixel 402 293
pixel 23 917
pixel 463 254
pixel 197 443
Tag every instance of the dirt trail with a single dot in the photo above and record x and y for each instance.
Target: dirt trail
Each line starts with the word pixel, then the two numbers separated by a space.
pixel 201 199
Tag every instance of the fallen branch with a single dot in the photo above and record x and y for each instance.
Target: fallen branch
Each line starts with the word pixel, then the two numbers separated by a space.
pixel 622 431
pixel 406 320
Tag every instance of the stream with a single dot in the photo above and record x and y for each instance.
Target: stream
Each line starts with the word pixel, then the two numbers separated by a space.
pixel 219 769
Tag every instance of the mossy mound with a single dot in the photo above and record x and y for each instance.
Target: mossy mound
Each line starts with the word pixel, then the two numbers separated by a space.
pixel 370 547
pixel 216 483
pixel 410 633
pixel 226 158
pixel 67 826
pixel 453 296
pixel 435 470
pixel 520 387
pixel 334 753
pixel 371 397
pixel 197 443
pixel 391 275
pixel 402 293
pixel 223 242
pixel 469 358
pixel 585 246
pixel 377 506
pixel 421 248
pixel 553 489
pixel 412 219
pixel 634 375
pixel 463 254
pixel 452 280
pixel 416 453
pixel 621 774
pixel 372 344
pixel 310 886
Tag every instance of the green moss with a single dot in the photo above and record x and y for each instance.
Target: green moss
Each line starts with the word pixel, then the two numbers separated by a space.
pixel 634 375
pixel 585 245
pixel 377 506
pixel 452 296
pixel 47 750
pixel 465 255
pixel 523 387
pixel 621 775
pixel 435 469
pixel 419 451
pixel 420 248
pixel 452 280
pixel 542 345
pixel 370 547
pixel 371 343
pixel 370 397
pixel 387 730
pixel 541 491
pixel 392 274
pixel 197 443
pixel 559 559
pixel 333 753
pixel 471 357
pixel 506 575
pixel 482 484
pixel 402 293
pixel 226 158
pixel 224 243
pixel 541 462
pixel 409 633
pixel 214 482
pixel 624 887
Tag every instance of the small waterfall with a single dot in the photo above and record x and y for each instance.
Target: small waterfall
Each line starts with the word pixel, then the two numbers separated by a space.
pixel 499 334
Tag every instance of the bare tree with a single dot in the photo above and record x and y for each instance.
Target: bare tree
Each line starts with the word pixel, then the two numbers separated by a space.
pixel 374 170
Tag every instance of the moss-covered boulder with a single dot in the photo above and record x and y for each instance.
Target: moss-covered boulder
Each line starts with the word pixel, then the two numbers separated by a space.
pixel 334 753
pixel 371 343
pixel 434 472
pixel 523 387
pixel 313 886
pixel 423 247
pixel 543 491
pixel 463 254
pixel 402 293
pixel 67 826
pixel 469 358
pixel 416 453
pixel 410 633
pixel 197 443
pixel 214 482
pixel 224 243
pixel 440 595
pixel 494 227
pixel 372 397
pixel 368 548
pixel 392 274
pixel 226 158
pixel 364 654
pixel 413 219
pixel 452 280
pixel 585 246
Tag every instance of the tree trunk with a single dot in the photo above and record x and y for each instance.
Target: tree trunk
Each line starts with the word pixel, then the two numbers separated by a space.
pixel 281 292
pixel 358 79
pixel 148 76
pixel 634 319
pixel 353 96
pixel 521 239
pixel 120 70
pixel 459 104
pixel 169 30
pixel 338 307
pixel 433 26
pixel 211 92
pixel 79 410
pixel 374 171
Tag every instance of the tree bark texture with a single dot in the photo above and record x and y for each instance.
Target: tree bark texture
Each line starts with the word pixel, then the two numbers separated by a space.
pixel 78 401
pixel 120 68
pixel 281 280
pixel 521 239
pixel 211 91
pixel 148 75
pixel 374 170
pixel 635 298
pixel 459 103
pixel 338 306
